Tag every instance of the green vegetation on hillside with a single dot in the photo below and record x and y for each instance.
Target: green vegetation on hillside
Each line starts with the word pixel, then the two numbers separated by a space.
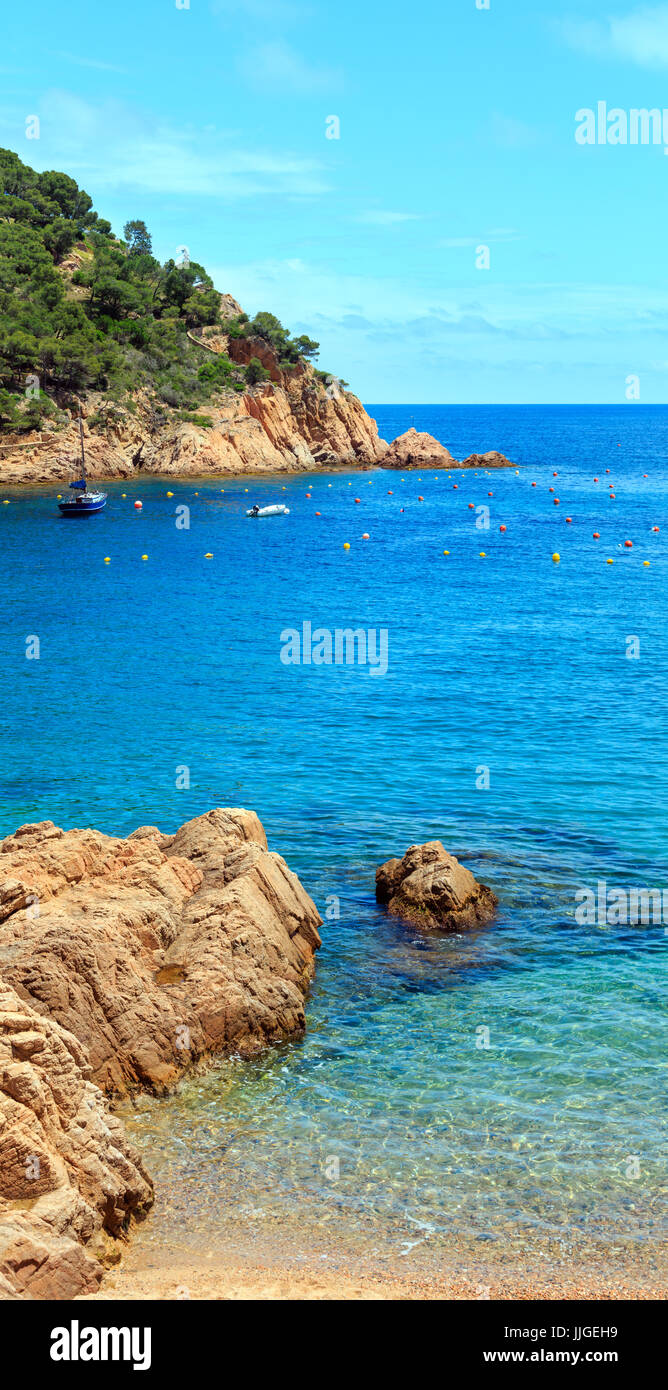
pixel 82 310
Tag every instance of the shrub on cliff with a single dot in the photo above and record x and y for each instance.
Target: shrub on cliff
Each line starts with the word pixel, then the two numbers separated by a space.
pixel 255 372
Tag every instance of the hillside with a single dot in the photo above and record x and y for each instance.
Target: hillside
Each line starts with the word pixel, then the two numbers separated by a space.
pixel 171 375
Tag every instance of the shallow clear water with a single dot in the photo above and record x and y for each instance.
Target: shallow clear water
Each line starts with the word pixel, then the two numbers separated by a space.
pixel 509 662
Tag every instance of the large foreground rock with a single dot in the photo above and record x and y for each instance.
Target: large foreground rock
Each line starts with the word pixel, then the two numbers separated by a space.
pixel 68 1176
pixel 159 950
pixel 430 888
pixel 124 963
pixel 417 450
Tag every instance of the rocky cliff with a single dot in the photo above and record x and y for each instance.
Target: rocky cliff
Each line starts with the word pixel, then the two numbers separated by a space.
pixel 125 963
pixel 290 422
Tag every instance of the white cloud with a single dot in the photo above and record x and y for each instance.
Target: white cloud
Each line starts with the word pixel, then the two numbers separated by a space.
pixel 640 37
pixel 111 147
pixel 90 63
pixel 490 238
pixel 387 219
pixel 277 66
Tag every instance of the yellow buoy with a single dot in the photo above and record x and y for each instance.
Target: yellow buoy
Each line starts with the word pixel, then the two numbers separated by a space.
pixel 645 562
pixel 144 557
pixel 483 553
pixel 346 545
pixel 170 494
pixel 609 562
pixel 556 558
pixel 209 555
pixel 107 559
pixel 124 494
pixel 6 502
pixel 446 552
pixel 58 496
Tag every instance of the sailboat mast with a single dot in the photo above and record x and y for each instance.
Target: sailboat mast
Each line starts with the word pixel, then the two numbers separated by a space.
pixel 83 456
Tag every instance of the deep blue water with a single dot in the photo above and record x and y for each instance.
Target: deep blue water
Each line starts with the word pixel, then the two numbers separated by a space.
pixel 508 662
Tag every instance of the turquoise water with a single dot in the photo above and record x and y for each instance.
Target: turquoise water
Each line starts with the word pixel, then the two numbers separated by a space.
pixel 389 1124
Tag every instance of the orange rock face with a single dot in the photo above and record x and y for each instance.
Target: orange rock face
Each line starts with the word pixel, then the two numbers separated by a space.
pixel 125 963
pixel 415 450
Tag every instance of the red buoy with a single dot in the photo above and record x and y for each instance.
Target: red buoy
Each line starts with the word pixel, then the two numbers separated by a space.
pixel 597 535
pixel 138 506
pixel 502 528
pixel 628 544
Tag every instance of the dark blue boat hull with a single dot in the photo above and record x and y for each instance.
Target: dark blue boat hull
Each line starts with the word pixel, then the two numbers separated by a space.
pixel 80 506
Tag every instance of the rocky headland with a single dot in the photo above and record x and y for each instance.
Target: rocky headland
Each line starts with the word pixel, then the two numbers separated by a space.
pixel 433 891
pixel 125 964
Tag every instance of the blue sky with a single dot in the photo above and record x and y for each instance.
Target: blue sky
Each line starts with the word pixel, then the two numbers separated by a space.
pixel 457 129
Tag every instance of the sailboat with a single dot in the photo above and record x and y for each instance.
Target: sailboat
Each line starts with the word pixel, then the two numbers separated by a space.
pixel 84 503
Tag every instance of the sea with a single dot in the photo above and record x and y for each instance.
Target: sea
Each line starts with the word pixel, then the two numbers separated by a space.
pixel 504 1085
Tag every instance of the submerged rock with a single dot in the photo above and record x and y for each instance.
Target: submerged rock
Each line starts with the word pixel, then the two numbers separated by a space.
pixel 125 963
pixel 430 888
pixel 492 459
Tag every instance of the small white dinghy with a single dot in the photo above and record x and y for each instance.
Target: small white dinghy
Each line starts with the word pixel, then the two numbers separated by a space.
pixel 278 510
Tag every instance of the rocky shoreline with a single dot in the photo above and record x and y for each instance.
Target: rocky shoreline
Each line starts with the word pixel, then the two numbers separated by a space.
pixel 125 964
pixel 290 423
